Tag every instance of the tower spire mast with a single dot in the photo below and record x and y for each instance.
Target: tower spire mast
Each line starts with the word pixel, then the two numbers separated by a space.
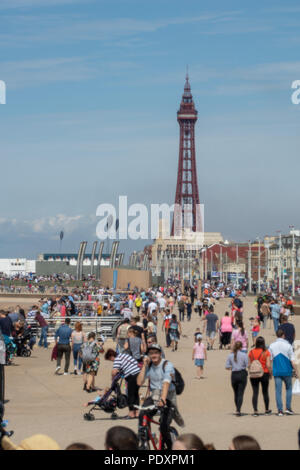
pixel 187 202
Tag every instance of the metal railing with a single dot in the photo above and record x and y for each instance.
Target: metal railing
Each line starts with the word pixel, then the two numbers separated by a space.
pixel 102 326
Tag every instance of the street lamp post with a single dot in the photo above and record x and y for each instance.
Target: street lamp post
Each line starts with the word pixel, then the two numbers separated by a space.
pixel 221 264
pixel 259 277
pixel 279 267
pixel 293 260
pixel 249 268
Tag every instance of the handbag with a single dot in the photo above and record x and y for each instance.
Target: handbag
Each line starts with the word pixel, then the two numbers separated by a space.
pixel 296 388
pixel 54 353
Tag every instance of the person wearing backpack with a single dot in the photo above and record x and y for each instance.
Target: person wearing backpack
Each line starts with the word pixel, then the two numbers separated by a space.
pixel 174 332
pixel 181 308
pixel 90 358
pixel 260 373
pixel 122 335
pixel 164 383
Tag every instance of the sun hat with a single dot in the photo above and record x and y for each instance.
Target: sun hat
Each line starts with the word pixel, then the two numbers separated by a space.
pixel 36 442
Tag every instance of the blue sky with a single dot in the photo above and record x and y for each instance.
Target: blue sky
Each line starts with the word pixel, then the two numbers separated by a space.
pixel 93 88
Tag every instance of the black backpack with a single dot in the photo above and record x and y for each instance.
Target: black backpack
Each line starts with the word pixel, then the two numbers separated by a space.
pixel 238 303
pixel 177 381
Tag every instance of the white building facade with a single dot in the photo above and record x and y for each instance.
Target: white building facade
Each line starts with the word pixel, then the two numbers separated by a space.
pixel 17 266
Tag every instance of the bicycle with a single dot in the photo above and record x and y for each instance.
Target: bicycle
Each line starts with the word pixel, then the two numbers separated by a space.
pixel 3 432
pixel 146 436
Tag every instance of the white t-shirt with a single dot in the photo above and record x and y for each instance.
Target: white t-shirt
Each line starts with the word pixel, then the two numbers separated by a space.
pixel 162 302
pixel 127 313
pixel 152 307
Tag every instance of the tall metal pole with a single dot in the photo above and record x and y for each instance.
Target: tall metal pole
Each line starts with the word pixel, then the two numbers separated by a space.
pixel 250 267
pixel 268 265
pixel 237 269
pixel 221 264
pixel 167 267
pixel 279 267
pixel 293 260
pixel 259 277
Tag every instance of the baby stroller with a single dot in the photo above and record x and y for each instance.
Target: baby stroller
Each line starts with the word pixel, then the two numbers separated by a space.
pixel 110 401
pixel 23 343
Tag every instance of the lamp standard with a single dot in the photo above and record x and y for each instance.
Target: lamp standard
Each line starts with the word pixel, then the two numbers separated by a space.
pixel 259 277
pixel 249 267
pixel 293 259
pixel 279 263
pixel 221 264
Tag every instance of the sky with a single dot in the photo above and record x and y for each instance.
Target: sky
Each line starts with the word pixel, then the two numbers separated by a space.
pixel 93 88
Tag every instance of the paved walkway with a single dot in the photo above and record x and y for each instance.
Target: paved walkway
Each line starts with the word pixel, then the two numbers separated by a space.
pixel 40 402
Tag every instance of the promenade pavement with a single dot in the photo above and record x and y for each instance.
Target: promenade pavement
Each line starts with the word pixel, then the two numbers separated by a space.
pixel 41 402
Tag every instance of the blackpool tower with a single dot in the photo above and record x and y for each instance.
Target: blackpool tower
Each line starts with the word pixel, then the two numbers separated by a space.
pixel 187 202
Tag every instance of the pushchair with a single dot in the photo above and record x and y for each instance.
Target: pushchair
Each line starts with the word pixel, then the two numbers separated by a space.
pixel 110 401
pixel 23 343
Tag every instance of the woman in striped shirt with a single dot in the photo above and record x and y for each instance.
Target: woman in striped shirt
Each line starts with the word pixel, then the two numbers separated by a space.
pixel 129 368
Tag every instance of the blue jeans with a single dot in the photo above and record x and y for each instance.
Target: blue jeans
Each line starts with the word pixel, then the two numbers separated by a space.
pixel 76 356
pixel 43 338
pixel 276 324
pixel 278 391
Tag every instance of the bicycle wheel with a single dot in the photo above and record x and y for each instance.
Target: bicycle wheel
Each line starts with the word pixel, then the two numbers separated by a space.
pixel 144 445
pixel 144 442
pixel 174 434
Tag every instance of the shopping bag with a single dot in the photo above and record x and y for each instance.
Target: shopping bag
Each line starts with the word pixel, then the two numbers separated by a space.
pixel 296 387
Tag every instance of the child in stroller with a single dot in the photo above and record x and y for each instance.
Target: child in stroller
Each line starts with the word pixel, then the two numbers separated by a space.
pixel 109 402
pixel 23 341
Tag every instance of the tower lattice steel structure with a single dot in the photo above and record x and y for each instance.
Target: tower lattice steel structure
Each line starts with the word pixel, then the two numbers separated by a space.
pixel 187 202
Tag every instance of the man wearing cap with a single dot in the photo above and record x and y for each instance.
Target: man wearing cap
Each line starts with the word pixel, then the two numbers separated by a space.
pixel 161 374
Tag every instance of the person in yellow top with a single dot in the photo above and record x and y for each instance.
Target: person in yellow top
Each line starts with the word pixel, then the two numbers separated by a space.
pixel 99 310
pixel 138 302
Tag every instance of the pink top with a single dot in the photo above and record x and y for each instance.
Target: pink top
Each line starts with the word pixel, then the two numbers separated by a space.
pixel 237 336
pixel 199 351
pixel 226 325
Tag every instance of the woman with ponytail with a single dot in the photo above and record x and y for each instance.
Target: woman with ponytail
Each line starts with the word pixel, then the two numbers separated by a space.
pixel 240 335
pixel 237 362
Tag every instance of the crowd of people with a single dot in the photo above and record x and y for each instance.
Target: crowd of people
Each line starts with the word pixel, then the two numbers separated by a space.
pixel 139 359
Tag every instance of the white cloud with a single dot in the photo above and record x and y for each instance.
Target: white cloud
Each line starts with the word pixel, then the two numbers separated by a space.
pixel 28 73
pixel 14 4
pixel 48 225
pixel 58 29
